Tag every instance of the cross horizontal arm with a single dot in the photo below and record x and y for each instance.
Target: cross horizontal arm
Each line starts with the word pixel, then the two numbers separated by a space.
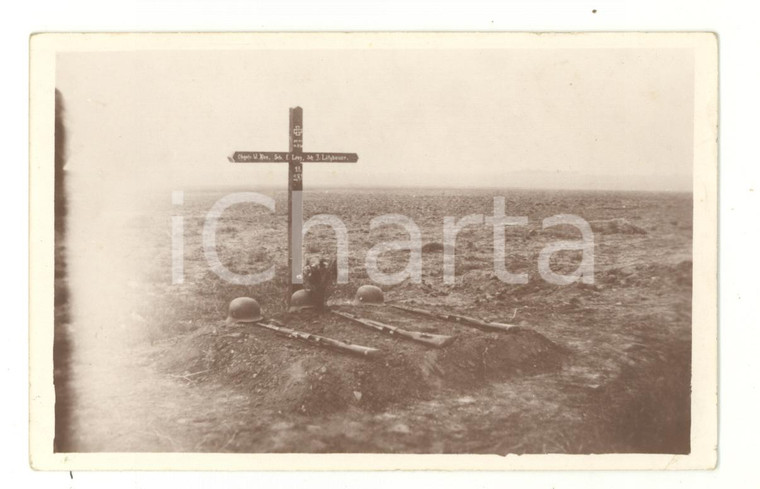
pixel 284 157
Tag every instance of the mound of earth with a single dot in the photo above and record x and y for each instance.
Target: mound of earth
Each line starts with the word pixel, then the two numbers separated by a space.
pixel 652 390
pixel 606 226
pixel 616 226
pixel 432 247
pixel 290 375
pixel 645 274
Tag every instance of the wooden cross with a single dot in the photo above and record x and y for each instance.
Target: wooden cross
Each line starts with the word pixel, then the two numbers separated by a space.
pixel 294 158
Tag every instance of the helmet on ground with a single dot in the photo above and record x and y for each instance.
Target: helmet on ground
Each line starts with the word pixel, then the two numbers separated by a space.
pixel 301 299
pixel 369 294
pixel 244 310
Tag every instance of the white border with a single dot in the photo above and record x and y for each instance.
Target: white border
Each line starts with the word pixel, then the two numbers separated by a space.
pixel 704 375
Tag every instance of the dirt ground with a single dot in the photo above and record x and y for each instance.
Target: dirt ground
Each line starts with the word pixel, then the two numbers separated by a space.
pixel 596 368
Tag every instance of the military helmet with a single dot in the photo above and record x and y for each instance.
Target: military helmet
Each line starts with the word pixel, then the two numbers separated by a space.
pixel 301 299
pixel 244 310
pixel 369 294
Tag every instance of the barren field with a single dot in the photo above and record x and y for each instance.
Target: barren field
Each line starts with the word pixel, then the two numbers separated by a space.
pixel 596 368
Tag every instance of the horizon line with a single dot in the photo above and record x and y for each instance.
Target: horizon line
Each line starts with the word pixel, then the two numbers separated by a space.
pixel 433 187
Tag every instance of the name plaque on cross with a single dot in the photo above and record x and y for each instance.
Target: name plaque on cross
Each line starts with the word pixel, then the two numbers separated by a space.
pixel 281 157
pixel 294 157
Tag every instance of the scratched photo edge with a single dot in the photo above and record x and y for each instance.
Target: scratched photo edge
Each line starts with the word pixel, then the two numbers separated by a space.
pixel 43 50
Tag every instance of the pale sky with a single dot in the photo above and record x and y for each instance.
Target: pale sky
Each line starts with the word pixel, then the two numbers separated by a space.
pixel 551 118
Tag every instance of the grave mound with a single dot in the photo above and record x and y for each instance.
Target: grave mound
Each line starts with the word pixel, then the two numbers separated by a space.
pixel 289 375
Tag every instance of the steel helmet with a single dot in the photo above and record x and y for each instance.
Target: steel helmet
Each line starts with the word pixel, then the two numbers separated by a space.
pixel 369 294
pixel 244 310
pixel 301 299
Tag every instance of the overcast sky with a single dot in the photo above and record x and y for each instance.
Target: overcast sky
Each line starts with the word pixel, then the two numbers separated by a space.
pixel 575 118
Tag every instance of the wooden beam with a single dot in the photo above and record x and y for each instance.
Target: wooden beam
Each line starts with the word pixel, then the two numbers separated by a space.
pixel 295 204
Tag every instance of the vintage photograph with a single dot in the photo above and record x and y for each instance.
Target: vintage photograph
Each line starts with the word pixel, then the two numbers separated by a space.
pixel 485 245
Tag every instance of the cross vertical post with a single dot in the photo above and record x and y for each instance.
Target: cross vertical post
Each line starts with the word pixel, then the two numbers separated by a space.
pixel 295 158
pixel 295 203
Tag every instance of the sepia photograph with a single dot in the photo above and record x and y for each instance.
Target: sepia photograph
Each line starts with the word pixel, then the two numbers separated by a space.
pixel 498 251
